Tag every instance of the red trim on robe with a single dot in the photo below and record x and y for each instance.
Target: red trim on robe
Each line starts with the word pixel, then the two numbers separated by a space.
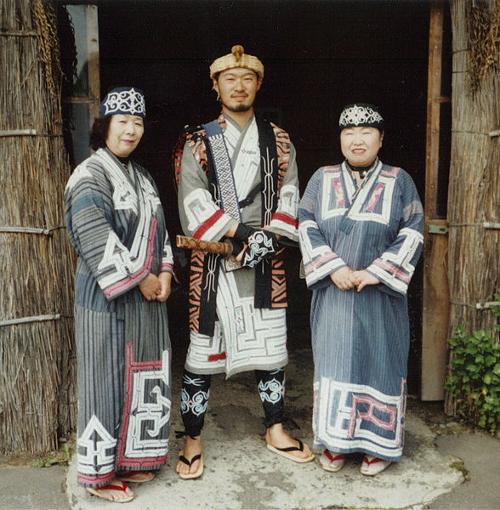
pixel 96 479
pixel 198 233
pixel 285 218
pixel 217 357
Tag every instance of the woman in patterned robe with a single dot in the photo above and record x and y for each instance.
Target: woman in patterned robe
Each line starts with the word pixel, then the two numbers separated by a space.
pixel 115 222
pixel 360 233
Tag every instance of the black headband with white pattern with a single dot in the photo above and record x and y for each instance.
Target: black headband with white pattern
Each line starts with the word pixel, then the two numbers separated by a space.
pixel 361 115
pixel 123 100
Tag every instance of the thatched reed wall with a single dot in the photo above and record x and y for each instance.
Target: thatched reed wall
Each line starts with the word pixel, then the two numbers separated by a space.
pixel 474 188
pixel 36 269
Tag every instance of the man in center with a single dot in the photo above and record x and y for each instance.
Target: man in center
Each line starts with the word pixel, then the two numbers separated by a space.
pixel 238 180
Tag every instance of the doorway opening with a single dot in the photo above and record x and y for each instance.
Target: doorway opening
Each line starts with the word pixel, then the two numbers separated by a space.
pixel 318 56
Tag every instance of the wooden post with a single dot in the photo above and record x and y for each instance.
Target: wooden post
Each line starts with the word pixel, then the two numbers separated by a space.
pixel 435 313
pixel 87 102
pixel 474 184
pixel 93 61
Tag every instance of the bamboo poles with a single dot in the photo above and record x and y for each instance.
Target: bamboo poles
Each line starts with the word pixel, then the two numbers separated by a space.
pixel 474 186
pixel 36 262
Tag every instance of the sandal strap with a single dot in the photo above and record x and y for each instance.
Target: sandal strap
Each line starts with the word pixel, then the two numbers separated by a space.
pixel 190 462
pixel 299 448
pixel 368 461
pixel 331 457
pixel 112 487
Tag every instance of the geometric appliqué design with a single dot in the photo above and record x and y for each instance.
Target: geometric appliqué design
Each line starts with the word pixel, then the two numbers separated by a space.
pixel 144 435
pixel 350 416
pixel 95 449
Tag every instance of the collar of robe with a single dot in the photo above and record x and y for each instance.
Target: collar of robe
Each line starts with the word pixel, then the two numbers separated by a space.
pixel 123 161
pixel 361 170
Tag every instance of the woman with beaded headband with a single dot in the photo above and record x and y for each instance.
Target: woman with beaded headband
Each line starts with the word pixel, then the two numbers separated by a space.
pixel 115 222
pixel 360 229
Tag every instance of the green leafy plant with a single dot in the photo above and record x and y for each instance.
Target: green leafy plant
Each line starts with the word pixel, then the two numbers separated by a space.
pixel 62 457
pixel 474 381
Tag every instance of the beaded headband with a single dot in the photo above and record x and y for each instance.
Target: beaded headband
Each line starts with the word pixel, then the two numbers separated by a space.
pixel 361 114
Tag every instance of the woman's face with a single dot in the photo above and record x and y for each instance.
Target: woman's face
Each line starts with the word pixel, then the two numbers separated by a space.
pixel 360 145
pixel 124 134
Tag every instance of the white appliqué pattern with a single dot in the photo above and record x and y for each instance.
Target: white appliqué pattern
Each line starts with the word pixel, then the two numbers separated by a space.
pixel 95 449
pixel 259 246
pixel 356 115
pixel 130 101
pixel 197 404
pixel 271 391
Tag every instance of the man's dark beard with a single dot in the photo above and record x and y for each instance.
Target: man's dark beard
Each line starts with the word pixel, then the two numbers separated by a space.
pixel 239 108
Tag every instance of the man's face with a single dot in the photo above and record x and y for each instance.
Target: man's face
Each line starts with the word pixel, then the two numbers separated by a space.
pixel 237 88
pixel 360 145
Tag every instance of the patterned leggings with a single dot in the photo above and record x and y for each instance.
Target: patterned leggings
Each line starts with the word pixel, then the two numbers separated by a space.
pixel 196 391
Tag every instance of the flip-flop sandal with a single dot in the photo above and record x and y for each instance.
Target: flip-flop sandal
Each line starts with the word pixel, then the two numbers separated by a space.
pixel 332 462
pixel 136 476
pixel 286 452
pixel 372 466
pixel 99 492
pixel 188 462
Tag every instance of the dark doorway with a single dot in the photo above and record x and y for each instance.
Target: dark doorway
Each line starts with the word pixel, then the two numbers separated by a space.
pixel 318 56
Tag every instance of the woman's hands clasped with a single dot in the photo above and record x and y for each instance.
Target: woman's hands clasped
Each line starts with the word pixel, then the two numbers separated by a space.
pixel 156 288
pixel 342 278
pixel 346 279
pixel 165 286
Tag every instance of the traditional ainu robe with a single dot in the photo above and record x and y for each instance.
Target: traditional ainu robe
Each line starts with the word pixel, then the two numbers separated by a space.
pixel 237 318
pixel 115 222
pixel 360 339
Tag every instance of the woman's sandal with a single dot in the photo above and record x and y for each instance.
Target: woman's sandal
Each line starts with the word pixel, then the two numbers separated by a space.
pixel 286 452
pixel 136 476
pixel 116 486
pixel 372 466
pixel 332 462
pixel 190 462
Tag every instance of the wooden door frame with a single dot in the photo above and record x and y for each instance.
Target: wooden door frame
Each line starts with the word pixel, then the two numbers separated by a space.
pixel 435 300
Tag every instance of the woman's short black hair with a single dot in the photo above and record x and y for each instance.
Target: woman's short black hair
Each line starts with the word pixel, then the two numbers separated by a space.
pixel 99 132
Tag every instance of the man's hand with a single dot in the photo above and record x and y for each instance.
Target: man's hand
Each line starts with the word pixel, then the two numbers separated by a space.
pixel 361 279
pixel 342 278
pixel 165 286
pixel 150 287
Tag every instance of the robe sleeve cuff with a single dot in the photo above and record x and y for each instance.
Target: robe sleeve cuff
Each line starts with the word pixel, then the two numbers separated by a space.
pixel 321 267
pixel 285 225
pixel 214 227
pixel 390 275
pixel 123 286
pixel 166 267
pixel 125 278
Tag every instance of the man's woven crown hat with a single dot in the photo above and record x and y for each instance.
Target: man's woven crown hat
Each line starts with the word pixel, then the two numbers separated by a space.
pixel 361 115
pixel 237 58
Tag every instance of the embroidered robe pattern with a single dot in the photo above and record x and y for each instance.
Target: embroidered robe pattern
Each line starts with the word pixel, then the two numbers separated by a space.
pixel 245 337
